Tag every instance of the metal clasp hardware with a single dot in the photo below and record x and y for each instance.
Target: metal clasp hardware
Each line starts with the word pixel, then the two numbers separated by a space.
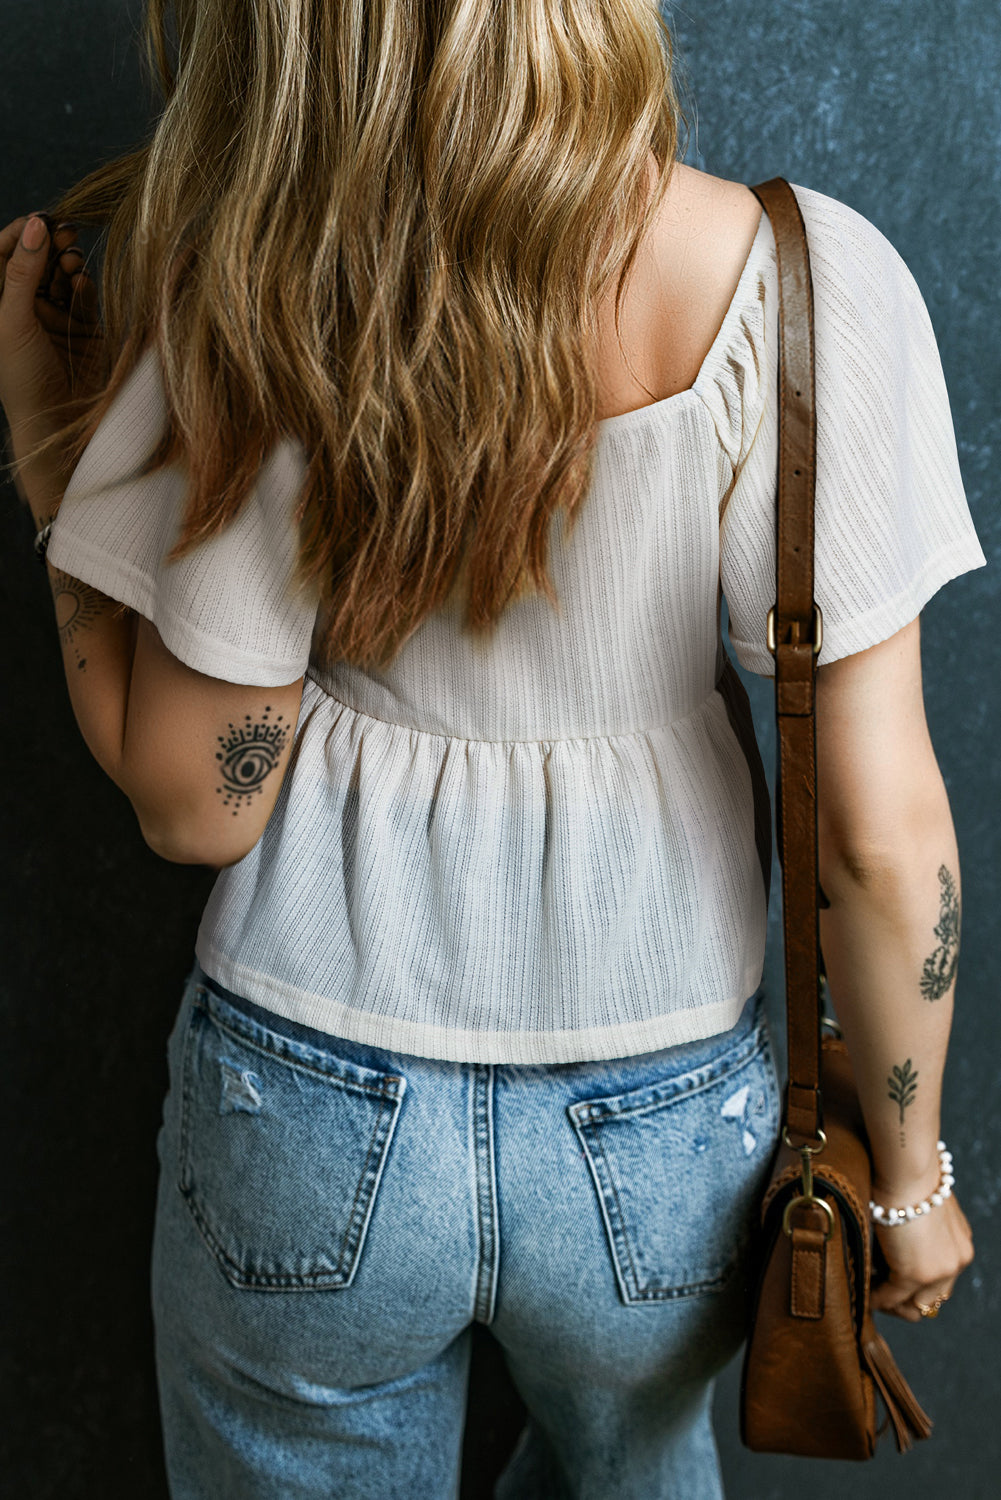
pixel 806 1177
pixel 820 1138
pixel 818 630
pixel 814 1203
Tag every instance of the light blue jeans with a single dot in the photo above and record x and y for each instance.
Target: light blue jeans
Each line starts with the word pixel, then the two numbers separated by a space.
pixel 333 1217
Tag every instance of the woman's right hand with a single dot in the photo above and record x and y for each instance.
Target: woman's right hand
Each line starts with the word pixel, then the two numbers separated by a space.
pixel 925 1256
pixel 52 347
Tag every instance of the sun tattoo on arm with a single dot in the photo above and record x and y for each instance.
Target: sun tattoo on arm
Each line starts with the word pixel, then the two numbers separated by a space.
pixel 77 607
pixel 248 755
pixel 940 966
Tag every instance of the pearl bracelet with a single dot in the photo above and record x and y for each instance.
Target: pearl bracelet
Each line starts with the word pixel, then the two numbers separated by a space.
pixel 890 1218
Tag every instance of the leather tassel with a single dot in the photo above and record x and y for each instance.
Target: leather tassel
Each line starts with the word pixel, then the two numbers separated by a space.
pixel 909 1421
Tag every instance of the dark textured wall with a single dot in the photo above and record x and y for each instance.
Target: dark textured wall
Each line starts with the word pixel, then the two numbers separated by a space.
pixel 892 106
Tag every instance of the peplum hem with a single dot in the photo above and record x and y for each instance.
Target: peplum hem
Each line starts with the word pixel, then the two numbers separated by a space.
pixel 521 900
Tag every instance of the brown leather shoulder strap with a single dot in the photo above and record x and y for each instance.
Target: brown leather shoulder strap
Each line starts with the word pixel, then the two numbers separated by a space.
pixel 794 639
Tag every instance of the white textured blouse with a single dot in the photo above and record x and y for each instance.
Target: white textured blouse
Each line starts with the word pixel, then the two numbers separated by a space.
pixel 551 847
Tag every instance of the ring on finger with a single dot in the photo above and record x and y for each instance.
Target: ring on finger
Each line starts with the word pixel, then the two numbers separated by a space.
pixel 931 1309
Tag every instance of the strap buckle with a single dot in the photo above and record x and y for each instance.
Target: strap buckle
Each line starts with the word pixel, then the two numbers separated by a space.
pixel 818 630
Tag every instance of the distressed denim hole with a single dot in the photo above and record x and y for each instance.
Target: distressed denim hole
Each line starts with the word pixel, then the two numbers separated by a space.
pixel 282 1149
pixel 678 1168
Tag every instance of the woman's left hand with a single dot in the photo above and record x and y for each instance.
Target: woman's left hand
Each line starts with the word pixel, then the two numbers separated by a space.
pixel 52 347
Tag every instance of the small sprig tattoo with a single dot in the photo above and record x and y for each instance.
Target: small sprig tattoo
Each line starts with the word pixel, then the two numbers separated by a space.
pixel 248 756
pixel 903 1083
pixel 77 607
pixel 940 966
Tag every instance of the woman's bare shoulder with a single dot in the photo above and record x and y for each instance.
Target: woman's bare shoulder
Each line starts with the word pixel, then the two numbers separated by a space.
pixel 707 226
pixel 705 229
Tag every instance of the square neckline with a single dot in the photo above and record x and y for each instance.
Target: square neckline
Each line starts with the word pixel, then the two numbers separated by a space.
pixel 622 419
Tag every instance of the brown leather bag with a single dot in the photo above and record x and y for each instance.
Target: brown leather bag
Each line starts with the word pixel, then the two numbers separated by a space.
pixel 814 1360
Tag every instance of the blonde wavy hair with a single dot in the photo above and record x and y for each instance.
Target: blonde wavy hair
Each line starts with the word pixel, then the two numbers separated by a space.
pixel 384 227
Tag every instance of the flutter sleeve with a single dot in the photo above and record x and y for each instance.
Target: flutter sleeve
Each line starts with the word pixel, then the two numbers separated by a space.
pixel 892 522
pixel 230 608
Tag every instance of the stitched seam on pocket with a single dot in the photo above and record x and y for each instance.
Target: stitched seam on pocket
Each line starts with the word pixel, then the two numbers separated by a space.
pixel 389 1102
pixel 364 1199
pixel 662 1095
pixel 343 1274
pixel 392 1085
pixel 637 1292
pixel 619 1235
pixel 589 1131
pixel 183 1134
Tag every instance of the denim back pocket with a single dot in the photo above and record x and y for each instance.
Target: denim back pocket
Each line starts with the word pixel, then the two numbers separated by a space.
pixel 282 1148
pixel 679 1167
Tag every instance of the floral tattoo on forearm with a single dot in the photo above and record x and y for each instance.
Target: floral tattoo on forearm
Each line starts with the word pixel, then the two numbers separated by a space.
pixel 940 967
pixel 247 757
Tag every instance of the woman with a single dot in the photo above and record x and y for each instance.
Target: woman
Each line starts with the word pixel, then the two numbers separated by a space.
pixel 475 1029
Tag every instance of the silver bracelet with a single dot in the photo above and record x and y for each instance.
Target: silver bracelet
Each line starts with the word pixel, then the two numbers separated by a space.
pixel 890 1218
pixel 42 542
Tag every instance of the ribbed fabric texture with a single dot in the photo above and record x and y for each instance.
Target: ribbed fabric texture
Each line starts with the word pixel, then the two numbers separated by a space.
pixel 229 608
pixel 544 849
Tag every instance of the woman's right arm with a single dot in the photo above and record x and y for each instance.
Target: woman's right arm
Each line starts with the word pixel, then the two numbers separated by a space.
pixel 889 865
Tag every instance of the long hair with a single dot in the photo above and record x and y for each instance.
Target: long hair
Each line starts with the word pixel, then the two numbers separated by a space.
pixel 383 227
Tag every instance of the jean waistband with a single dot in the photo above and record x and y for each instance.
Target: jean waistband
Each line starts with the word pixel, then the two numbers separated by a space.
pixel 675 1058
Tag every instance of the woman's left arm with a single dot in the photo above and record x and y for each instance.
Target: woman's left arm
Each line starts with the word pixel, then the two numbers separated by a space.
pixel 201 760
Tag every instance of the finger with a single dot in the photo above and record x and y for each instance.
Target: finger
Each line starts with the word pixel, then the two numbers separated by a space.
pixel 936 1291
pixel 60 288
pixel 929 1300
pixel 73 312
pixel 24 272
pixel 65 258
pixel 64 235
pixel 60 237
pixel 10 235
pixel 61 240
pixel 890 1298
pixel 894 1289
pixel 80 302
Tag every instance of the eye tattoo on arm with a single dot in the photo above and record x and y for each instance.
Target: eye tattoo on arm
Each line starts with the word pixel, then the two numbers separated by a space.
pixel 940 967
pixel 247 757
pixel 903 1083
pixel 77 607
